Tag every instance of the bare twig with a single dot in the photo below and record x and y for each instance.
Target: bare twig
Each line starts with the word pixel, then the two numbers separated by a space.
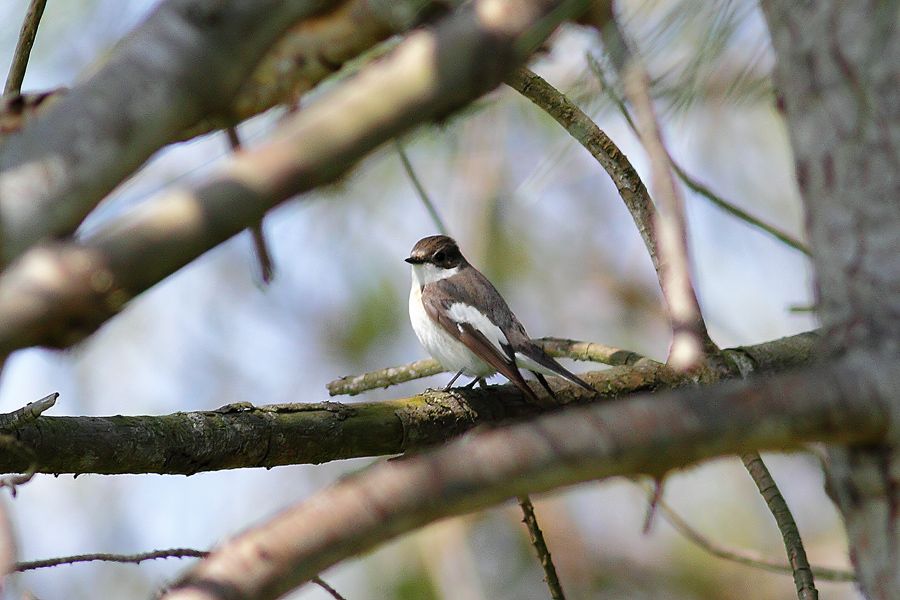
pixel 420 189
pixel 626 180
pixel 260 246
pixel 23 46
pixel 690 339
pixel 803 575
pixel 537 540
pixel 106 557
pixel 580 126
pixel 692 182
pixel 352 385
pixel 740 555
pixel 334 594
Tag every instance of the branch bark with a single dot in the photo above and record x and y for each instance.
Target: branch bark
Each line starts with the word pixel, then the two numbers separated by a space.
pixel 57 294
pixel 243 436
pixel 836 74
pixel 180 50
pixel 644 434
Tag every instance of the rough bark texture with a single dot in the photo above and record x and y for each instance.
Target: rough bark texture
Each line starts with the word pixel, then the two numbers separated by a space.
pixel 838 76
pixel 648 434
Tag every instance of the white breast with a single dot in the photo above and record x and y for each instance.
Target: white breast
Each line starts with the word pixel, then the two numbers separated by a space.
pixel 444 348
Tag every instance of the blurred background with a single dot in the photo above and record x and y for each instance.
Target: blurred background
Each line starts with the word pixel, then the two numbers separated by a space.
pixel 529 207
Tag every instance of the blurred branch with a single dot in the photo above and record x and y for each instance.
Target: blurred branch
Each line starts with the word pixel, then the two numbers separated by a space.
pixel 537 540
pixel 57 294
pixel 648 434
pixel 690 339
pixel 803 575
pixel 101 556
pixel 260 247
pixel 420 189
pixel 241 436
pixel 57 168
pixel 352 385
pixel 23 47
pixel 626 180
pixel 694 184
pixel 738 212
pixel 740 555
pixel 334 594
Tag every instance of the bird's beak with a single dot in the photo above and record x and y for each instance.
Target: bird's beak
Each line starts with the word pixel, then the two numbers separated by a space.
pixel 413 261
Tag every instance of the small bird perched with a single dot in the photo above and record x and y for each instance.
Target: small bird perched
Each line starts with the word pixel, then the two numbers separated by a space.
pixel 464 323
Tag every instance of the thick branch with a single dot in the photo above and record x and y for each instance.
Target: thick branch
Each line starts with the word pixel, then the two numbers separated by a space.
pixel 55 295
pixel 645 434
pixel 185 62
pixel 239 436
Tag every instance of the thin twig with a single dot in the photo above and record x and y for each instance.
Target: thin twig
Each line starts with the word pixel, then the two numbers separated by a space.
pixel 135 559
pixel 118 558
pixel 23 47
pixel 692 182
pixel 690 339
pixel 624 176
pixel 260 247
pixel 420 189
pixel 334 594
pixel 803 575
pixel 352 385
pixel 580 126
pixel 740 555
pixel 537 540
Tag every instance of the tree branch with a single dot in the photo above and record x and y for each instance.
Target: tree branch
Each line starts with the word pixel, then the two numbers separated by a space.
pixel 352 385
pixel 23 47
pixel 244 436
pixel 57 294
pixel 537 540
pixel 183 105
pixel 793 544
pixel 644 434
pixel 741 555
pixel 624 176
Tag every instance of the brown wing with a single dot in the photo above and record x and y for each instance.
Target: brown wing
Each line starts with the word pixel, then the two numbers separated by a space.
pixel 475 341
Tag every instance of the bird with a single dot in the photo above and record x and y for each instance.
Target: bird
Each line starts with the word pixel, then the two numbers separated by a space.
pixel 464 323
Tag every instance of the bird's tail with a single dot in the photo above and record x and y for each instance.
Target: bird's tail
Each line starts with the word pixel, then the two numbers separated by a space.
pixel 535 359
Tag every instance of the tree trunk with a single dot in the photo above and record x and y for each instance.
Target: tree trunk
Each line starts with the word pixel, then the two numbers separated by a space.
pixel 838 80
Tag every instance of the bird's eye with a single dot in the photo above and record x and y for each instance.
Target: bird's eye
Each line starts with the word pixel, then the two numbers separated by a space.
pixel 439 256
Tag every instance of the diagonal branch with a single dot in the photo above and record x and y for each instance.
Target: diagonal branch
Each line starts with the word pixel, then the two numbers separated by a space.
pixel 627 181
pixel 23 46
pixel 740 555
pixel 184 62
pixel 57 294
pixel 243 436
pixel 640 435
pixel 803 575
